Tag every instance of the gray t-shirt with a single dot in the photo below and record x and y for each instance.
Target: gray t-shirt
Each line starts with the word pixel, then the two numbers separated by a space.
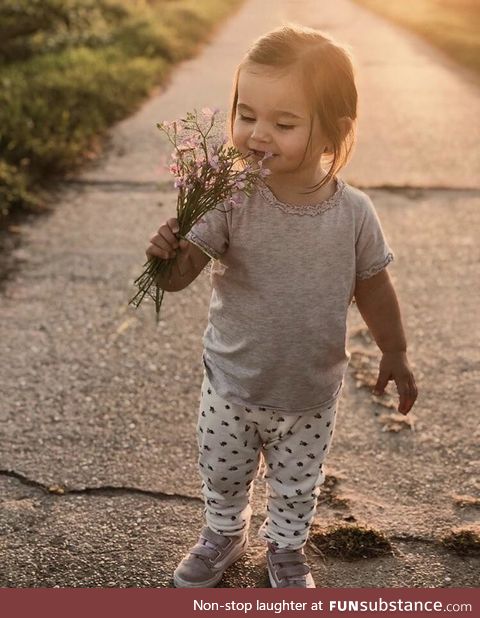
pixel 283 278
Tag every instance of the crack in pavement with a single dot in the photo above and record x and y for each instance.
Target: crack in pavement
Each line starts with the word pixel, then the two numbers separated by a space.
pixel 418 189
pixel 104 490
pixel 121 185
pixel 109 490
pixel 166 185
pixel 407 537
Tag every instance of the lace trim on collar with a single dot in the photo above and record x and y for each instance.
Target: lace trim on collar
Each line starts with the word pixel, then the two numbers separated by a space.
pixel 310 209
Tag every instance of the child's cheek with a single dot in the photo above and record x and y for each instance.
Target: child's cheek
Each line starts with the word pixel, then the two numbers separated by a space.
pixel 237 142
pixel 240 137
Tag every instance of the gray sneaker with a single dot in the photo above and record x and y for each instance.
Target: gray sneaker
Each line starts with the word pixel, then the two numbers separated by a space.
pixel 288 568
pixel 205 563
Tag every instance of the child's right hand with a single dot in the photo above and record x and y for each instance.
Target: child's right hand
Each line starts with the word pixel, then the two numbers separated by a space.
pixel 165 244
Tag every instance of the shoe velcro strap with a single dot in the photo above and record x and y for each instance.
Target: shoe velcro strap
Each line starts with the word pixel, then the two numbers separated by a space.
pixel 285 558
pixel 293 571
pixel 217 539
pixel 205 552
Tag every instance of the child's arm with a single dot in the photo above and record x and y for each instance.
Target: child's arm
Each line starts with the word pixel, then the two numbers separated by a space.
pixel 377 302
pixel 190 259
pixel 186 269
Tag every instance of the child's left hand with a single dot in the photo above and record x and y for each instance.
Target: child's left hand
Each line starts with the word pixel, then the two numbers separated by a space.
pixel 394 366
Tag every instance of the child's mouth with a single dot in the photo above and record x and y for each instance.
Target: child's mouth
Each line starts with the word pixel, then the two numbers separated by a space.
pixel 262 154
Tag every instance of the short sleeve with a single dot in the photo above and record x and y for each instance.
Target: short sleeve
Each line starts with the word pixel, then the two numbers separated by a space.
pixel 210 233
pixel 372 252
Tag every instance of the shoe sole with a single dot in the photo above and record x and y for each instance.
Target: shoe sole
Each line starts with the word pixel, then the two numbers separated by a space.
pixel 178 582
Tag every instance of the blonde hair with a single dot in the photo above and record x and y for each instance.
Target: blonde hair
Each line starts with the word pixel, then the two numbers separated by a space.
pixel 327 75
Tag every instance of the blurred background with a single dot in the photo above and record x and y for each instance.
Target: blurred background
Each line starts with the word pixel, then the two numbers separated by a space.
pixel 69 69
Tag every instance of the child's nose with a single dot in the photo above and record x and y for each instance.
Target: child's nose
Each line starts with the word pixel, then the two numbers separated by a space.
pixel 260 133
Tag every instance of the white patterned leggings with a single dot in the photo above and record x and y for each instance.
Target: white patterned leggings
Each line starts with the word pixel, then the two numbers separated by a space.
pixel 231 440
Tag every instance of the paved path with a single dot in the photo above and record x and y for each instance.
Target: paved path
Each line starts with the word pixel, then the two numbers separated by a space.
pixel 97 458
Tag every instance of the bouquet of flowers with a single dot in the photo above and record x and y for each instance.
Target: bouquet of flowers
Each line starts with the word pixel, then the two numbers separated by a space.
pixel 207 172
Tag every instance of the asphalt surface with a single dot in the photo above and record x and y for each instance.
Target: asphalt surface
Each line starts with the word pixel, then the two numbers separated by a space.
pixel 98 474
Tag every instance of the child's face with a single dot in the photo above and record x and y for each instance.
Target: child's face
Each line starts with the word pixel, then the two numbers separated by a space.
pixel 273 115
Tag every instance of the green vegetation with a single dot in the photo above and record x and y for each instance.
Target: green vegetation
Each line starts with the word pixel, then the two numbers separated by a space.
pixel 451 25
pixel 71 68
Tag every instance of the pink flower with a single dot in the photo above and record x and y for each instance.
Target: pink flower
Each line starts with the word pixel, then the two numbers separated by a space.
pixel 189 144
pixel 174 169
pixel 235 199
pixel 208 112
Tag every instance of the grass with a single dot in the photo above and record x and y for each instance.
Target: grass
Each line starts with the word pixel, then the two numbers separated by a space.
pixel 451 25
pixel 466 501
pixel 69 69
pixel 464 541
pixel 351 542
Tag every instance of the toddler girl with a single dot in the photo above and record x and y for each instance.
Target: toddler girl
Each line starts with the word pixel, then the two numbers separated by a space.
pixel 287 263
